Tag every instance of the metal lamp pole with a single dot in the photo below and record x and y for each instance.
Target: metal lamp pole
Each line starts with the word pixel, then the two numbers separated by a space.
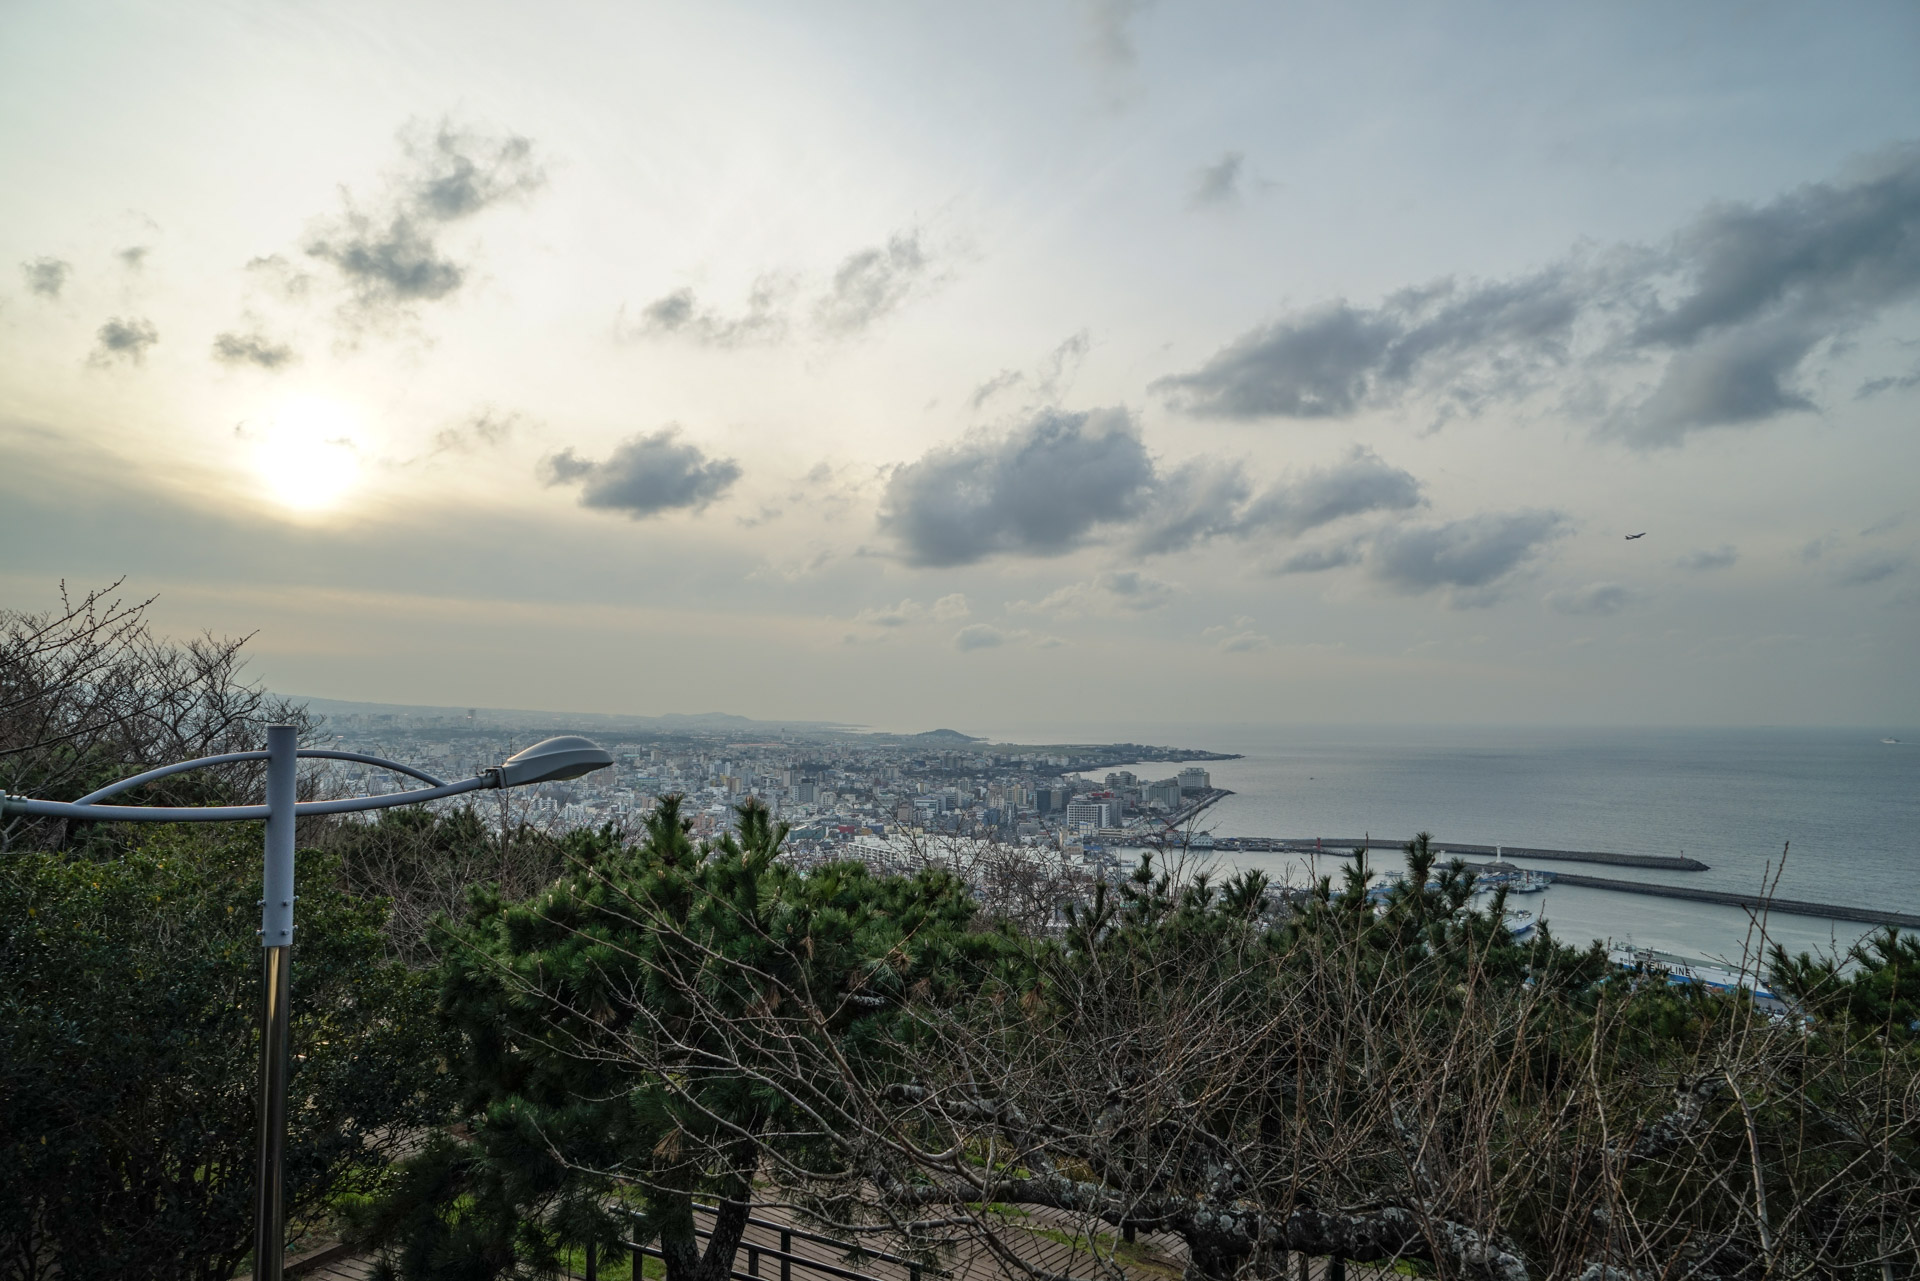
pixel 556 759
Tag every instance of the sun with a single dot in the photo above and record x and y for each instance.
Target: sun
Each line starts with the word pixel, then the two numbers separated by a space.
pixel 305 454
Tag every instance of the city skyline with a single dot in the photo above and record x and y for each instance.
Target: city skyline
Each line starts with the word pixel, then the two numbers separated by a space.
pixel 1021 365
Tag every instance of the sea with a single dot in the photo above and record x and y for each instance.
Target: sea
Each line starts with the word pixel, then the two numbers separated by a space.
pixel 1827 816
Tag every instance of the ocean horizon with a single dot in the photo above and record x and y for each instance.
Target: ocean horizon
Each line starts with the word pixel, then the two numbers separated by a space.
pixel 1842 805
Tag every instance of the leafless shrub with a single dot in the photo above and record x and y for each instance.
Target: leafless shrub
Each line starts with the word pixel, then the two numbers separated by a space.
pixel 1409 1088
pixel 89 694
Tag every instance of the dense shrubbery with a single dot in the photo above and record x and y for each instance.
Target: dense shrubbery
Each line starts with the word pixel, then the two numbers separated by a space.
pixel 129 994
pixel 1187 1057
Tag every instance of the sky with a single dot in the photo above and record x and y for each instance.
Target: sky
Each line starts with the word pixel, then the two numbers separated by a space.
pixel 988 365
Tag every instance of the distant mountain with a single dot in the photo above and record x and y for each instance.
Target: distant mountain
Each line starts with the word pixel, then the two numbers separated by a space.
pixel 498 717
pixel 944 736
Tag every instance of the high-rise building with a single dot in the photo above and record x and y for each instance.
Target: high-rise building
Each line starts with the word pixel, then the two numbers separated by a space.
pixel 1165 793
pixel 1195 779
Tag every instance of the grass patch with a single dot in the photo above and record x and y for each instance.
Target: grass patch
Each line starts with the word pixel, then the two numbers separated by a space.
pixel 1129 1254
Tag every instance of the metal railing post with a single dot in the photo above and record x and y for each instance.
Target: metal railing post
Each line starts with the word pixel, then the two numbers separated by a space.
pixel 276 942
pixel 786 1249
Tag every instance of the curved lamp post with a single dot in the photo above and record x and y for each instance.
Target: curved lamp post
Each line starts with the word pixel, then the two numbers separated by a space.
pixel 568 756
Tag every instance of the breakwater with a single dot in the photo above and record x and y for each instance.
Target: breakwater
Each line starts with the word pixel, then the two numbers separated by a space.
pixel 1752 902
pixel 1340 846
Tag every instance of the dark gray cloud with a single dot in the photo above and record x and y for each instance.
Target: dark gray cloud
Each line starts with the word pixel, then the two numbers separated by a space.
pixel 1314 560
pixel 1047 486
pixel 645 475
pixel 1720 557
pixel 680 315
pixel 252 348
pixel 1593 598
pixel 1728 316
pixel 134 257
pixel 1470 559
pixel 46 276
pixel 1871 567
pixel 1361 482
pixel 458 172
pixel 1890 382
pixel 871 283
pixel 1209 498
pixel 395 262
pixel 1335 360
pixel 391 257
pixel 124 339
pixel 1219 182
pixel 1200 499
pixel 1039 490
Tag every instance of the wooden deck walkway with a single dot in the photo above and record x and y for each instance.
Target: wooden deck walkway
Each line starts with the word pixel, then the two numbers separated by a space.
pixel 1051 1242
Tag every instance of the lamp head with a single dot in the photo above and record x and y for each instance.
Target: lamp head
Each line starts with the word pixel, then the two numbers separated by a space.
pixel 556 759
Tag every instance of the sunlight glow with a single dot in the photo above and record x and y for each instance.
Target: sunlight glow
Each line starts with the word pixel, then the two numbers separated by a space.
pixel 306 454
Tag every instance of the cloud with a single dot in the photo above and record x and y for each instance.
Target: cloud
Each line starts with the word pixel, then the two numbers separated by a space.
pixel 1470 558
pixel 1360 483
pixel 1729 378
pixel 126 339
pixel 1108 36
pixel 485 429
pixel 680 315
pixel 1050 380
pixel 391 257
pixel 46 276
pixel 871 283
pixel 1204 499
pixel 1060 479
pixel 1727 317
pixel 947 609
pixel 282 277
pixel 1239 637
pixel 1594 598
pixel 1219 182
pixel 1334 360
pixel 1314 560
pixel 1719 557
pixel 1200 499
pixel 979 636
pixel 458 172
pixel 1891 382
pixel 1110 591
pixel 645 475
pixel 134 257
pixel 1041 489
pixel 1871 567
pixel 253 348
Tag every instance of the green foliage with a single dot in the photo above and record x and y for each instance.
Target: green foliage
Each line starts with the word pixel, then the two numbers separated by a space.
pixel 1879 995
pixel 602 1024
pixel 129 996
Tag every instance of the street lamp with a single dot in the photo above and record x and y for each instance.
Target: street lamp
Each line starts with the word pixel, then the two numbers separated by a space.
pixel 555 759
